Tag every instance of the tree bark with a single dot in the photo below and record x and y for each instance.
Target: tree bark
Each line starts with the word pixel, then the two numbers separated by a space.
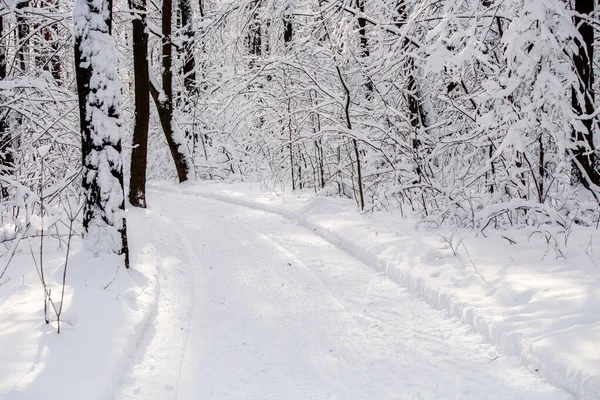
pixel 164 99
pixel 411 85
pixel 2 50
pixel 364 45
pixel 288 34
pixel 104 227
pixel 584 157
pixel 6 158
pixel 167 55
pixel 165 115
pixel 288 31
pixel 254 37
pixel 139 154
pixel 52 64
pixel 414 107
pixel 22 33
pixel 189 64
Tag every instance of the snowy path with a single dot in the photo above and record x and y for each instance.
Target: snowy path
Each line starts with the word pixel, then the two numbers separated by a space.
pixel 253 306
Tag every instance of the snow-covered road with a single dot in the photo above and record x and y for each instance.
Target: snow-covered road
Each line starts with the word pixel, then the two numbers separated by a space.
pixel 253 306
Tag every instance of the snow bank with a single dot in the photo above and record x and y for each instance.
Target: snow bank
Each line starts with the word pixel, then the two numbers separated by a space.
pixel 533 293
pixel 106 311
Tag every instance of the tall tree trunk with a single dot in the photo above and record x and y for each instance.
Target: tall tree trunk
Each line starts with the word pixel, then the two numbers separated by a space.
pixel 412 97
pixel 584 157
pixel 364 45
pixel 186 50
pixel 288 34
pixel 105 228
pixel 53 63
pixel 411 84
pixel 189 65
pixel 176 143
pixel 255 40
pixel 22 33
pixel 254 37
pixel 163 99
pixel 288 29
pixel 6 158
pixel 2 50
pixel 167 56
pixel 139 154
pixel 319 152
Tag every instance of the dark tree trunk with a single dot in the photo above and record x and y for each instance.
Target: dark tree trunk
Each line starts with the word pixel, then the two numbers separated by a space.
pixel 2 50
pixel 188 69
pixel 583 100
pixel 139 154
pixel 164 104
pixel 362 29
pixel 411 85
pixel 364 45
pixel 412 97
pixel 165 114
pixel 288 31
pixel 254 37
pixel 22 33
pixel 288 34
pixel 97 144
pixel 189 65
pixel 319 152
pixel 53 63
pixel 6 158
pixel 167 55
pixel 267 41
pixel 255 40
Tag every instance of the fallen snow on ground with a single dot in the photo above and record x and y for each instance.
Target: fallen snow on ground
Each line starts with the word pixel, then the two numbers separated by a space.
pixel 534 293
pixel 281 313
pixel 233 301
pixel 106 312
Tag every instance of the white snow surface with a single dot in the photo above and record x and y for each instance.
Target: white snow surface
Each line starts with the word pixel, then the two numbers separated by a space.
pixel 297 297
pixel 536 300
pixel 107 309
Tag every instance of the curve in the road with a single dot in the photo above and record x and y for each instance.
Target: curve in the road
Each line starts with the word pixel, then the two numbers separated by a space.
pixel 276 312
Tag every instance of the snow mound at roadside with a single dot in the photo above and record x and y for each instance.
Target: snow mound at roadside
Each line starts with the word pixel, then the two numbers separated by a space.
pixel 105 313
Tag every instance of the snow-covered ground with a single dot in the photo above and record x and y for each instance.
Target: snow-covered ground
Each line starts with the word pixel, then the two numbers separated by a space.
pixel 533 293
pixel 106 313
pixel 309 300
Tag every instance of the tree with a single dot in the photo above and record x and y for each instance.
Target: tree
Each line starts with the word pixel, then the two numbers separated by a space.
pixel 254 37
pixel 187 48
pixel 450 108
pixel 101 132
pixel 50 60
pixel 139 154
pixel 6 158
pixel 145 84
pixel 364 44
pixel 22 34
pixel 412 94
pixel 163 99
pixel 584 153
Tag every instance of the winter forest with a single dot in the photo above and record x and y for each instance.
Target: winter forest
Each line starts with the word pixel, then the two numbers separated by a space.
pixel 436 141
